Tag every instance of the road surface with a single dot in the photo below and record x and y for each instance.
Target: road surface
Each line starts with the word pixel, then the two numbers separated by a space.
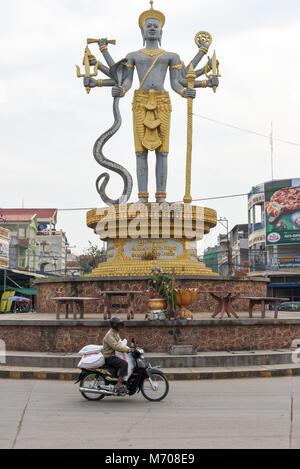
pixel 250 413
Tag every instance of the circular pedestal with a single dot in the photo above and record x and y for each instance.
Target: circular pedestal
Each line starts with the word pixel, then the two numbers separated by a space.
pixel 142 236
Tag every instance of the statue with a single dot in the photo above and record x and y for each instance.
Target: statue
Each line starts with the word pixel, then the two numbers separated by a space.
pixel 151 104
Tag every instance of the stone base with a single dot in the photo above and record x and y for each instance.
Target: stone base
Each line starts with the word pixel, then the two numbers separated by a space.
pixel 93 287
pixel 182 350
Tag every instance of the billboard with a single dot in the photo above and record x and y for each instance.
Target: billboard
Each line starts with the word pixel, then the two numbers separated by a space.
pixel 4 247
pixel 282 212
pixel 286 262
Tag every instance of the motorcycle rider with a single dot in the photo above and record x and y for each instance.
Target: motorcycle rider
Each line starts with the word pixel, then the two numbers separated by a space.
pixel 110 346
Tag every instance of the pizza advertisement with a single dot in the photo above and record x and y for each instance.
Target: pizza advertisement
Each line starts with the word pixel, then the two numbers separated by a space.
pixel 282 203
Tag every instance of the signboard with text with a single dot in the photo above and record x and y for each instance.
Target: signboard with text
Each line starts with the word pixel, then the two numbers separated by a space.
pixel 282 212
pixel 286 262
pixel 4 247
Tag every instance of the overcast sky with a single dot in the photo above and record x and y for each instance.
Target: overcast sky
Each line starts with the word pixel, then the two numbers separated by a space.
pixel 48 124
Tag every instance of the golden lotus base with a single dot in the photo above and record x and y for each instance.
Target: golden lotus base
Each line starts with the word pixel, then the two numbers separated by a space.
pixel 143 236
pixel 144 268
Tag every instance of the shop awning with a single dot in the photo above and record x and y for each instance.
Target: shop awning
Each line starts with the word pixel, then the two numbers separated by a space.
pixel 27 291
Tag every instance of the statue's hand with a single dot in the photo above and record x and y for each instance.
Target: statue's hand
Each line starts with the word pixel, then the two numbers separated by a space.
pixel 210 62
pixel 90 82
pixel 117 91
pixel 102 42
pixel 203 44
pixel 93 62
pixel 213 81
pixel 189 93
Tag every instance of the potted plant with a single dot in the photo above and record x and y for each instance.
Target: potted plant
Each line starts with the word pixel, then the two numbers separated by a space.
pixel 162 293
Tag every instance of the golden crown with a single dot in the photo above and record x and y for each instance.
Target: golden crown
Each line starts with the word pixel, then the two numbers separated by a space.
pixel 149 14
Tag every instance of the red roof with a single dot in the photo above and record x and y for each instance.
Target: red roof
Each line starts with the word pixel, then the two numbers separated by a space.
pixel 26 214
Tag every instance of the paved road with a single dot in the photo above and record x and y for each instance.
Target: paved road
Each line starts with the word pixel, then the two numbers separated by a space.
pixel 253 413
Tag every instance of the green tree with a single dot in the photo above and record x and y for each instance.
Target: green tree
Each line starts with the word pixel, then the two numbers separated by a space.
pixel 91 258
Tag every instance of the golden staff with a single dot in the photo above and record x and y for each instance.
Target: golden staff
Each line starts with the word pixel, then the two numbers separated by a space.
pixel 191 77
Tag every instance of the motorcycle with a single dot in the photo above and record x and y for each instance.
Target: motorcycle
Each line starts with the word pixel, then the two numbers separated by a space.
pixel 95 384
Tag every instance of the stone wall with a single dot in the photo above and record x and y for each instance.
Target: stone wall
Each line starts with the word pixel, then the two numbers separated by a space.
pixel 206 335
pixel 92 288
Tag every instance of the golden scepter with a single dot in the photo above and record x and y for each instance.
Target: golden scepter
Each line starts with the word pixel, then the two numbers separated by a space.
pixel 191 77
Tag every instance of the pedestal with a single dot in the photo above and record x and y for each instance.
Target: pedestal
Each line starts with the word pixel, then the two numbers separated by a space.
pixel 143 236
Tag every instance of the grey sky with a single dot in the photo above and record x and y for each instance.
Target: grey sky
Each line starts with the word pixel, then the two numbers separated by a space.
pixel 48 124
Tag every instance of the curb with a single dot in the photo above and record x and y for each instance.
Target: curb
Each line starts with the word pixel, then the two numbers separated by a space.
pixel 172 376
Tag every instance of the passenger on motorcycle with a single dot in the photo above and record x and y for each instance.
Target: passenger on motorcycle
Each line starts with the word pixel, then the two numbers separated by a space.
pixel 110 346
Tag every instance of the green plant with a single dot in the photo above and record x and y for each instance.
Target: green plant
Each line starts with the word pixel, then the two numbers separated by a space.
pixel 162 285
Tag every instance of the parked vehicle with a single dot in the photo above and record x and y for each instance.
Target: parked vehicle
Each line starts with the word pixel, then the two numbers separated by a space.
pixel 95 384
pixel 290 306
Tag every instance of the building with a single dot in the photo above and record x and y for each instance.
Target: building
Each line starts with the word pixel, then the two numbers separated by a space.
pixel 224 258
pixel 23 228
pixel 35 244
pixel 210 258
pixel 73 268
pixel 239 250
pixel 4 247
pixel 274 235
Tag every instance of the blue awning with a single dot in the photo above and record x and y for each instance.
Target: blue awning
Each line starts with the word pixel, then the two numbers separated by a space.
pixel 284 285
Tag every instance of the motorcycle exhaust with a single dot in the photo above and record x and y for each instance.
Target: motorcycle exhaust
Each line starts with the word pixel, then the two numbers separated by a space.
pixel 95 391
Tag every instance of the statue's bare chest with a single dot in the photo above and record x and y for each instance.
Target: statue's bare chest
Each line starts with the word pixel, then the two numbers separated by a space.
pixel 143 62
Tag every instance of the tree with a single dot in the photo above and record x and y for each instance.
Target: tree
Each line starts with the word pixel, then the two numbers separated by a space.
pixel 91 258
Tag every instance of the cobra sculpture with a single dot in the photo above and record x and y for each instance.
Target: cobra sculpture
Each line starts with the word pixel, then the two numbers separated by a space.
pixel 117 73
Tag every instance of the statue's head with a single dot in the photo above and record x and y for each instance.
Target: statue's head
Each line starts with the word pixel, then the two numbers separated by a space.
pixel 151 23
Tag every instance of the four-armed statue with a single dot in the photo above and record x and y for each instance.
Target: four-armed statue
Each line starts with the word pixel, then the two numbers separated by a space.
pixel 137 243
pixel 151 103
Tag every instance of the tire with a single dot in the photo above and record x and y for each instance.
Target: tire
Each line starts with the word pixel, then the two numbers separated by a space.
pixel 163 387
pixel 86 382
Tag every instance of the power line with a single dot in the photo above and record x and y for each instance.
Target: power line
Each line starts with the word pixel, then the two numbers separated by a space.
pixel 246 130
pixel 178 201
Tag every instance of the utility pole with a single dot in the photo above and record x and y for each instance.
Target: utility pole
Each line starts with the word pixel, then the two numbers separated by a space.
pixel 272 151
pixel 224 222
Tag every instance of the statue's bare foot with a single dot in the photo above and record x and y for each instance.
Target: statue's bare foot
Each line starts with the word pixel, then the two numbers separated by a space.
pixel 142 201
pixel 160 201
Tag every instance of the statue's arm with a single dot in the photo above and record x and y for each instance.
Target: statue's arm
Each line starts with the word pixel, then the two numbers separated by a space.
pixel 120 91
pixel 104 51
pixel 210 83
pixel 176 67
pixel 176 78
pixel 198 57
pixel 92 83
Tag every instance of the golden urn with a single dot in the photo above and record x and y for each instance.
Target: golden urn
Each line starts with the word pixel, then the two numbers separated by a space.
pixel 157 304
pixel 185 297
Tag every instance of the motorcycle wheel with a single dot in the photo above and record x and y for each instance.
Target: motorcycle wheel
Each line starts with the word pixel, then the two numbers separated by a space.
pixel 162 388
pixel 87 382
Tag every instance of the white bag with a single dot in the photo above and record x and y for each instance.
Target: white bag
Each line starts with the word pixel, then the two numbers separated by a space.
pixel 90 350
pixel 92 361
pixel 127 357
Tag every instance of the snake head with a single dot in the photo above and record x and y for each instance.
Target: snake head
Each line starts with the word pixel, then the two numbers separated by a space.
pixel 118 71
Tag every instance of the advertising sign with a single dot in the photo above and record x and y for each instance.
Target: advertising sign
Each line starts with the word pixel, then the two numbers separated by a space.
pixel 286 262
pixel 283 212
pixel 4 247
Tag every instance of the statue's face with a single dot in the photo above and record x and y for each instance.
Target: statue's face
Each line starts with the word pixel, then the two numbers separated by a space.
pixel 152 31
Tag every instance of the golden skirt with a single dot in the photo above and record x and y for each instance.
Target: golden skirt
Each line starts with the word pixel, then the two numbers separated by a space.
pixel 151 120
